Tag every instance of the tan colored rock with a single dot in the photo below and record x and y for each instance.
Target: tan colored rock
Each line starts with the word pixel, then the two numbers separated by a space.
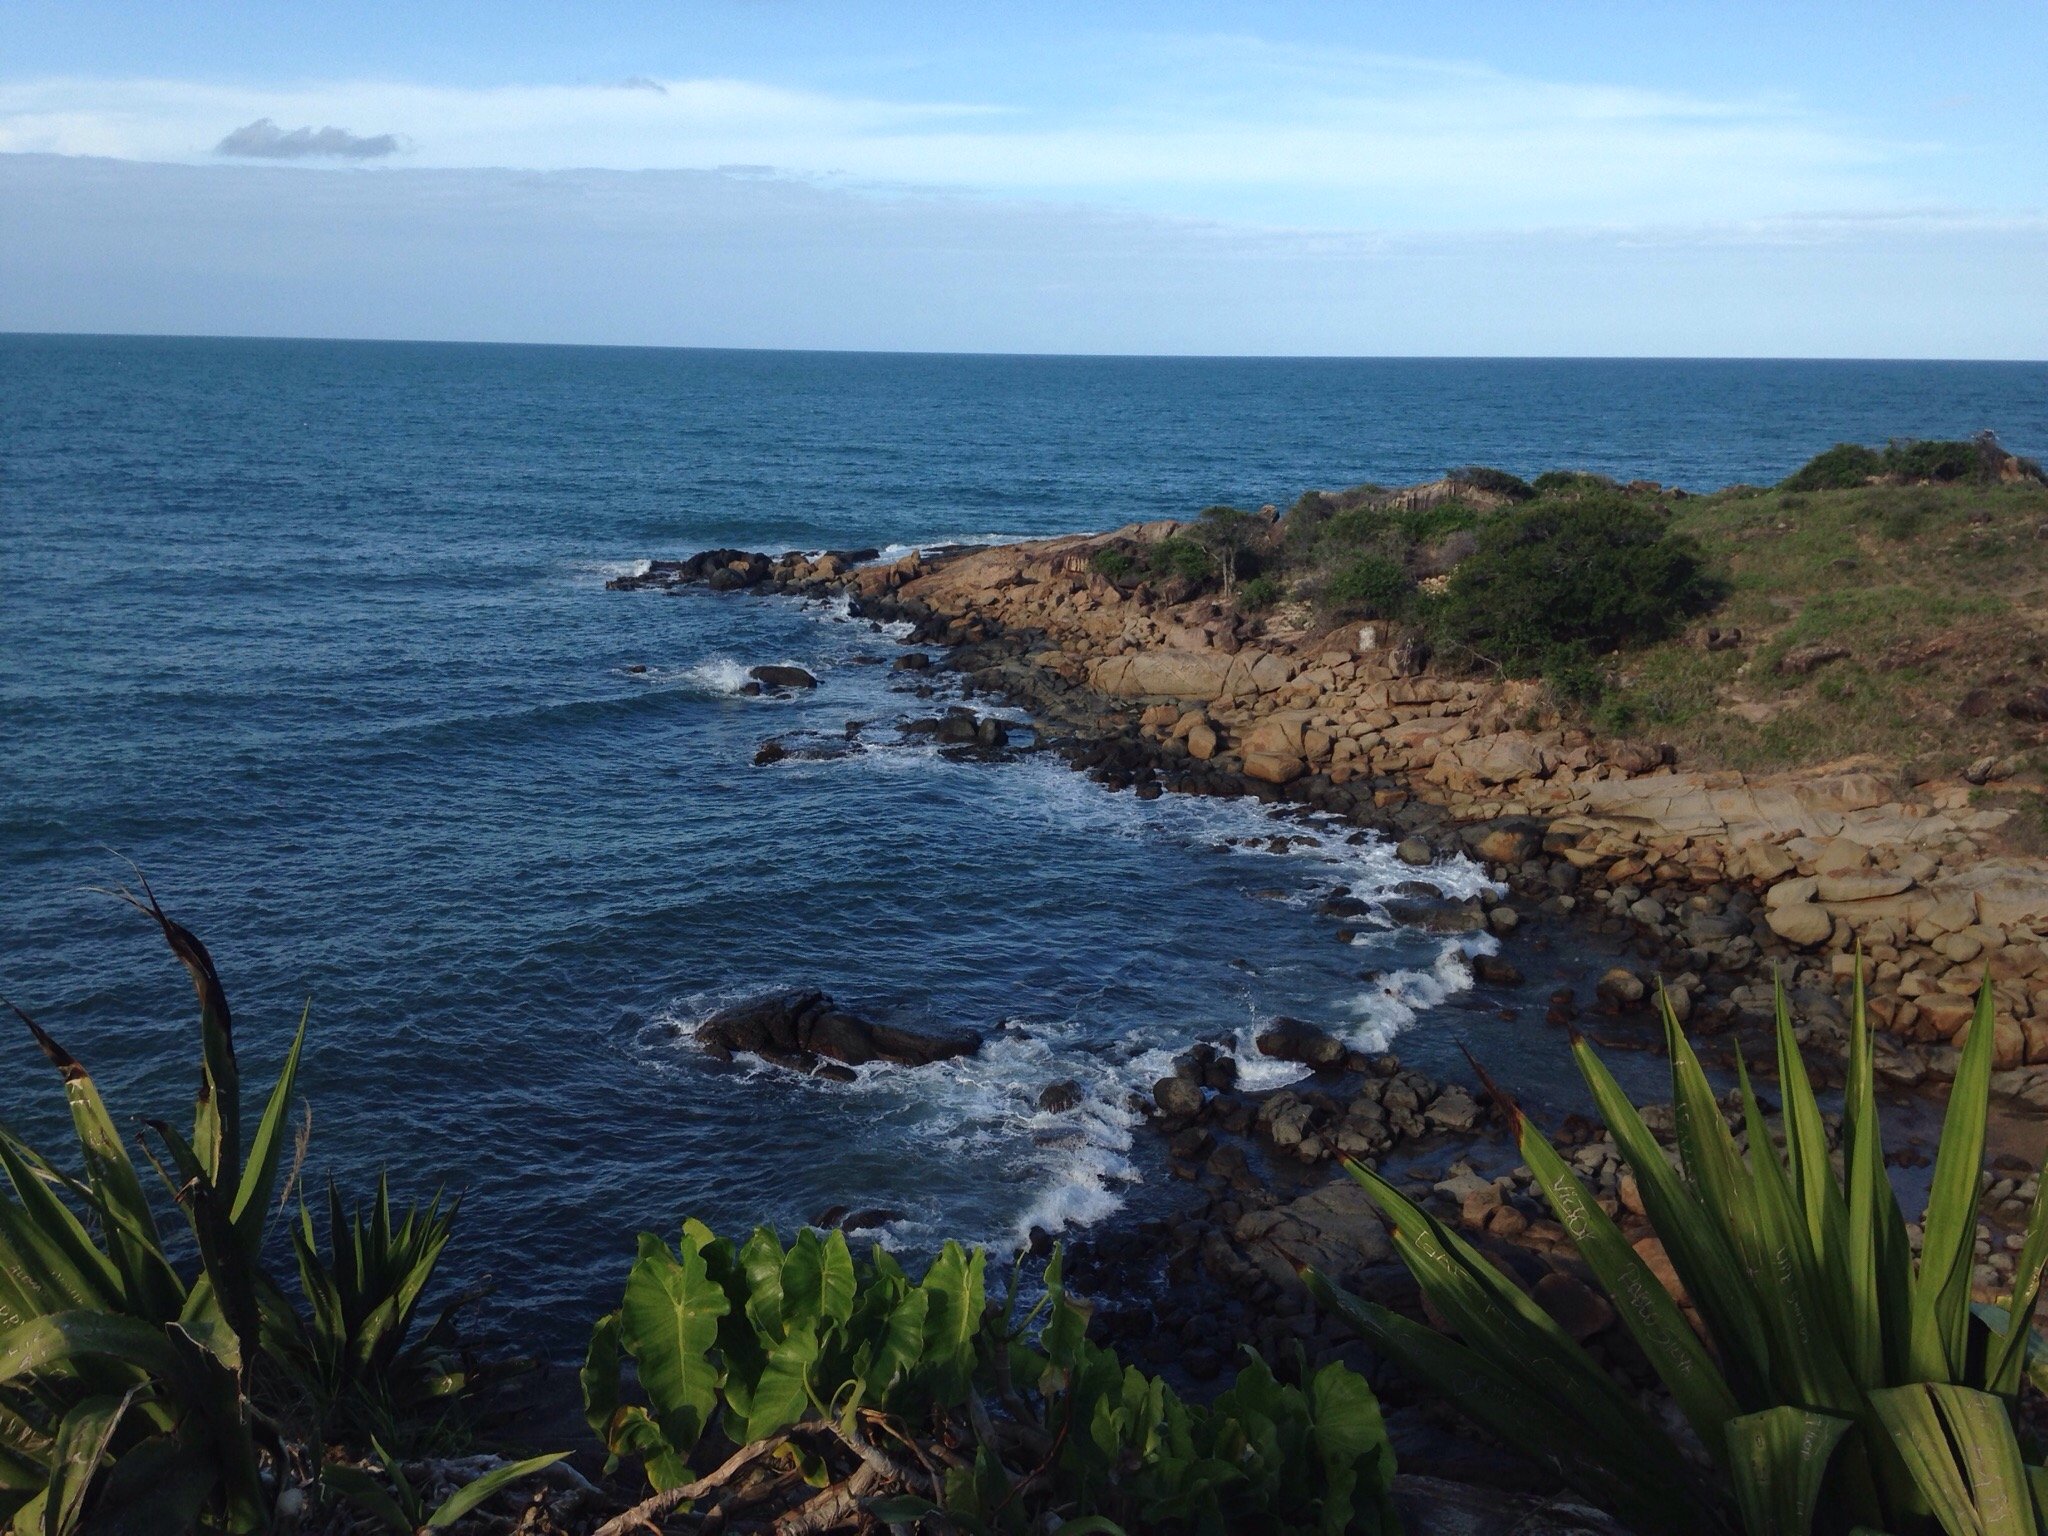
pixel 1202 742
pixel 1801 923
pixel 1944 1012
pixel 1860 885
pixel 1786 892
pixel 1273 767
pixel 1279 734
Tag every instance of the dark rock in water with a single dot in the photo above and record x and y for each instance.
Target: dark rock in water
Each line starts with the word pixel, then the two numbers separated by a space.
pixel 1177 1096
pixel 1041 1243
pixel 1058 1098
pixel 796 1028
pixel 636 667
pixel 1292 1040
pixel 869 1219
pixel 991 733
pixel 913 661
pixel 1495 971
pixel 751 690
pixel 829 1218
pixel 770 752
pixel 782 677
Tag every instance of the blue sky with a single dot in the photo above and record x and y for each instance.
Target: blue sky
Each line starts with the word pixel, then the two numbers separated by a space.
pixel 1686 178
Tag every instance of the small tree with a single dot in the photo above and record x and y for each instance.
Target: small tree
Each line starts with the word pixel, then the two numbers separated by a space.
pixel 1225 532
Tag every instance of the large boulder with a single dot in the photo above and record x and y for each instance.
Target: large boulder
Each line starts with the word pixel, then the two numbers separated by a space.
pixel 1273 767
pixel 782 677
pixel 1510 840
pixel 1291 1040
pixel 798 1029
pixel 1334 1229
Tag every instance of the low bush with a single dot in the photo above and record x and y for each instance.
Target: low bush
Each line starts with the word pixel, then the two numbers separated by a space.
pixel 1841 1385
pixel 1182 557
pixel 1260 593
pixel 1497 482
pixel 1572 482
pixel 1905 461
pixel 1597 573
pixel 915 1397
pixel 1114 563
pixel 1371 585
pixel 1843 467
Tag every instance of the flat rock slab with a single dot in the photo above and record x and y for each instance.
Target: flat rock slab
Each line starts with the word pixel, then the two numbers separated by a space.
pixel 801 1028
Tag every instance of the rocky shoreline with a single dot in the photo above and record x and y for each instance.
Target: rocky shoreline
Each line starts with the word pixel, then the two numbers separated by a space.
pixel 1702 885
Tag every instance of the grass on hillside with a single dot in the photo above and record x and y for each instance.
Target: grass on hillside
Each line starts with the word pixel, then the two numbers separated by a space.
pixel 1939 593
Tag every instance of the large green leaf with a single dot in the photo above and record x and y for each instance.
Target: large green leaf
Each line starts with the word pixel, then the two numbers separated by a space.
pixel 955 1284
pixel 133 1242
pixel 1643 1305
pixel 1482 1387
pixel 251 1204
pixel 64 1338
pixel 81 1445
pixel 1959 1446
pixel 1778 1460
pixel 1496 1318
pixel 1948 1246
pixel 1706 1260
pixel 668 1323
pixel 469 1495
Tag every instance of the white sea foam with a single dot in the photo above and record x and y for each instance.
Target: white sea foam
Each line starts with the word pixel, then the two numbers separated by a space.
pixel 719 674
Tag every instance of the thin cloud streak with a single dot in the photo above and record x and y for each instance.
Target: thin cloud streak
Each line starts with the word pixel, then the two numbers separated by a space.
pixel 1253 132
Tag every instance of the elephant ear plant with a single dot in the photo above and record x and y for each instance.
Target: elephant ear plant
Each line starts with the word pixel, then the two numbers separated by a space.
pixel 845 1391
pixel 1841 1386
pixel 139 1394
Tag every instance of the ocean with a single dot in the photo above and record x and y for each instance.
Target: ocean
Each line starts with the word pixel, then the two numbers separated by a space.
pixel 316 634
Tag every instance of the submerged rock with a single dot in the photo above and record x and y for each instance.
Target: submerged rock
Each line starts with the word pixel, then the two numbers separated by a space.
pixel 795 1029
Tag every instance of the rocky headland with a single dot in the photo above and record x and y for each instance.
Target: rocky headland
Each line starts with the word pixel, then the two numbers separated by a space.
pixel 1707 885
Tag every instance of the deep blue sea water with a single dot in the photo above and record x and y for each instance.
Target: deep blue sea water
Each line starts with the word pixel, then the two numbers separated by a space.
pixel 317 634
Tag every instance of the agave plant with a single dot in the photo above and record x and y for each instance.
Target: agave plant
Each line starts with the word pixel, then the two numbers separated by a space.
pixel 139 1394
pixel 1840 1385
pixel 357 1355
pixel 124 1384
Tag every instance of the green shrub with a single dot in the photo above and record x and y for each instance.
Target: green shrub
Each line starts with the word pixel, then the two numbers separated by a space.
pixel 1371 585
pixel 1574 677
pixel 919 1398
pixel 1572 482
pixel 1906 460
pixel 1842 1384
pixel 1843 467
pixel 1600 572
pixel 1498 482
pixel 1183 557
pixel 1114 563
pixel 1260 593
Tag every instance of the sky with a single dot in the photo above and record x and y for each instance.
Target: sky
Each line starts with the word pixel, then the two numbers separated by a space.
pixel 1720 179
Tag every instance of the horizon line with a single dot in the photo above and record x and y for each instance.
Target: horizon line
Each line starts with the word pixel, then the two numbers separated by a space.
pixel 1189 357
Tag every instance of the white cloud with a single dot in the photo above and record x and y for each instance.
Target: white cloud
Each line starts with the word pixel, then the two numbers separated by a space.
pixel 1213 127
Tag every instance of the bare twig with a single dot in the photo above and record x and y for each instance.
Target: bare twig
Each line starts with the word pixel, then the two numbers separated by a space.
pixel 648 1513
